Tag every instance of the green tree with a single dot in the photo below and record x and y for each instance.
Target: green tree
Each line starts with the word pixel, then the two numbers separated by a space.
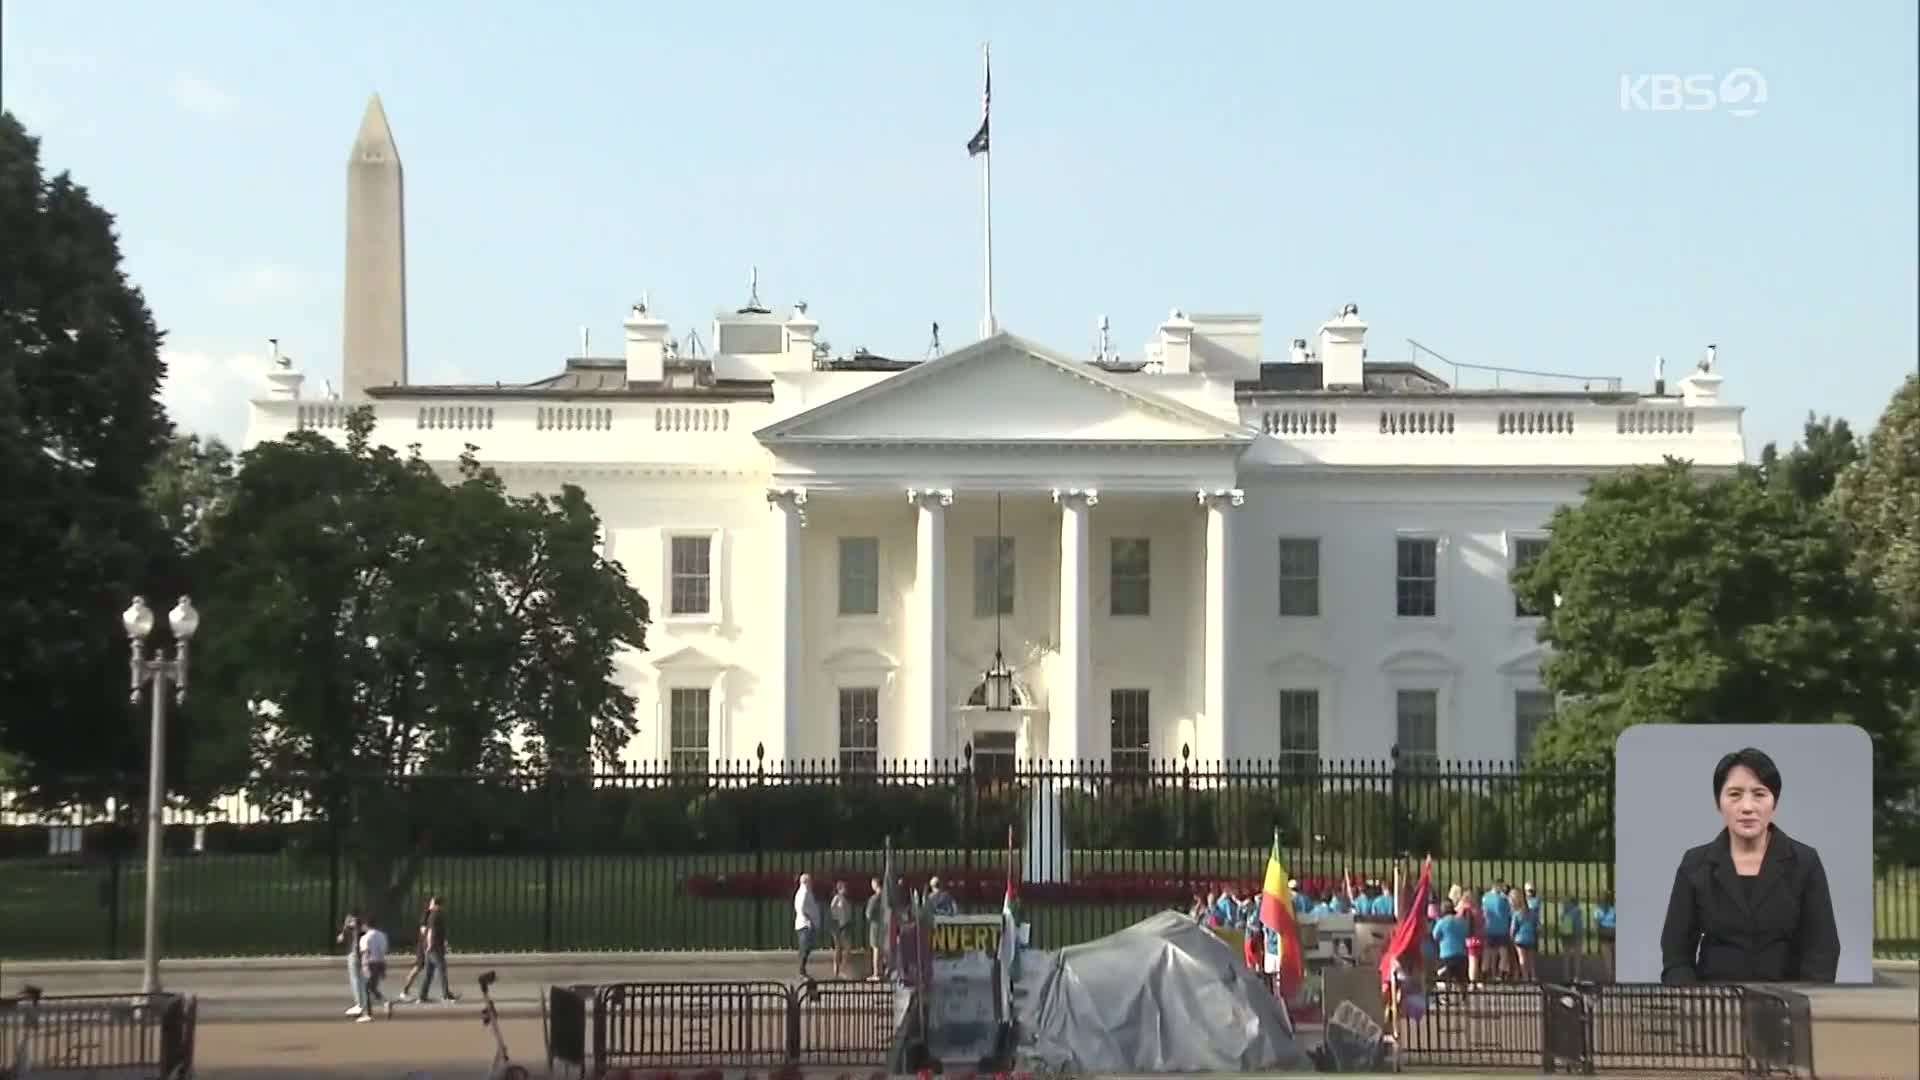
pixel 80 427
pixel 1691 599
pixel 1877 505
pixel 379 627
pixel 1811 469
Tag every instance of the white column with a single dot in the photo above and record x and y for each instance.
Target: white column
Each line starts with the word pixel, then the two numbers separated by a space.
pixel 780 725
pixel 917 733
pixel 1210 732
pixel 1070 708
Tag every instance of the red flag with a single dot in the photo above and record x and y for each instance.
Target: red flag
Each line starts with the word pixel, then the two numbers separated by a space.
pixel 1403 949
pixel 1276 914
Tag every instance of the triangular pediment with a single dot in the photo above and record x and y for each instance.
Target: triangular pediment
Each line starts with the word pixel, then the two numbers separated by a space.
pixel 1005 389
pixel 688 658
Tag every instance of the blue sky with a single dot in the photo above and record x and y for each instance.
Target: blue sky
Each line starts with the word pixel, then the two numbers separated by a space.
pixel 1466 173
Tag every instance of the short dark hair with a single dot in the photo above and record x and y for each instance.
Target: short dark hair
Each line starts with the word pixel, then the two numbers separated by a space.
pixel 1756 761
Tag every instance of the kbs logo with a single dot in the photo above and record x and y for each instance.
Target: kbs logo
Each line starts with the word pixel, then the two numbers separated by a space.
pixel 1740 92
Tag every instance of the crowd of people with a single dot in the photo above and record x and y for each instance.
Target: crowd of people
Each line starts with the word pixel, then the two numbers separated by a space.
pixel 1492 933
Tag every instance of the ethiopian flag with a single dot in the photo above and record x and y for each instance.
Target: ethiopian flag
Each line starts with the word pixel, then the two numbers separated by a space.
pixel 1276 914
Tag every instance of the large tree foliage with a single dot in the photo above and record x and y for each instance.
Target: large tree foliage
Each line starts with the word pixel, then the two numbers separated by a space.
pixel 1689 599
pixel 1878 503
pixel 371 626
pixel 1811 469
pixel 80 426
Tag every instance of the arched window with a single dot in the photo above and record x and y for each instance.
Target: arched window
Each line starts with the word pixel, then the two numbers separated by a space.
pixel 978 699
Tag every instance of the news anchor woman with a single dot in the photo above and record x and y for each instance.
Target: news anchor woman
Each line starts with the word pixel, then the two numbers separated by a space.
pixel 1752 904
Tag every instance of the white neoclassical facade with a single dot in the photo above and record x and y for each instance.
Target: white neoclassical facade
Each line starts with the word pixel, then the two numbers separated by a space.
pixel 1202 547
pixel 1303 557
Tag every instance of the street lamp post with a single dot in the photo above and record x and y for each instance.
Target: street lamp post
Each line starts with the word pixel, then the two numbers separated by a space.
pixel 155 672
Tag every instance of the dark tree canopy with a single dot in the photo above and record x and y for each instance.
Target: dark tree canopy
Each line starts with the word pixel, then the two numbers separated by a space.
pixel 80 428
pixel 1691 599
pixel 376 623
pixel 1811 469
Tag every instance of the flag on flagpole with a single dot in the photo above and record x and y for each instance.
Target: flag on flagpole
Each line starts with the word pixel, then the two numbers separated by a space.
pixel 1276 914
pixel 980 143
pixel 1402 980
pixel 1010 932
pixel 889 917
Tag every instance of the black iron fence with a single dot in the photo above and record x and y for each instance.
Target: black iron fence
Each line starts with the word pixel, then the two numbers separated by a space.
pixel 1588 1028
pixel 652 859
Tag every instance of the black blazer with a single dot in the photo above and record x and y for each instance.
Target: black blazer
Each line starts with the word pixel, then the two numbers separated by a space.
pixel 1784 933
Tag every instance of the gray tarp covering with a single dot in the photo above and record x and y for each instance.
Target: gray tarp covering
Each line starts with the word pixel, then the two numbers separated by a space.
pixel 1164 995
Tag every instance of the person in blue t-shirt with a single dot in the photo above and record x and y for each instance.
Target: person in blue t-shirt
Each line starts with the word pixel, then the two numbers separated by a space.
pixel 1526 934
pixel 1302 903
pixel 1498 910
pixel 1573 924
pixel 1450 933
pixel 1603 928
pixel 1383 904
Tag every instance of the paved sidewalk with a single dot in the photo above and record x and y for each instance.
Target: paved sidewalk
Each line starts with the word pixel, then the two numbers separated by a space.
pixel 315 987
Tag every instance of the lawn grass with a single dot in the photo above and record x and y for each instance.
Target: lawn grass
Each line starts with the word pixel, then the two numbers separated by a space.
pixel 238 905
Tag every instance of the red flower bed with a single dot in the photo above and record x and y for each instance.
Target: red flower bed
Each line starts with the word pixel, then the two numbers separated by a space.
pixel 987 886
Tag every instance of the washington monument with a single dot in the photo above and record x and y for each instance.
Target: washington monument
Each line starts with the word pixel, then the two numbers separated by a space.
pixel 374 345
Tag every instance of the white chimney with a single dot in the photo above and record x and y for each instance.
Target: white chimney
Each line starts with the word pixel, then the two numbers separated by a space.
pixel 801 332
pixel 283 380
pixel 1702 385
pixel 1343 350
pixel 1176 344
pixel 646 346
pixel 1298 353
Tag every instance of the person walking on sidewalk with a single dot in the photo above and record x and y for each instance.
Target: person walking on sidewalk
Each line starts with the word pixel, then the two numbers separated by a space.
pixel 436 952
pixel 349 935
pixel 806 921
pixel 373 960
pixel 419 958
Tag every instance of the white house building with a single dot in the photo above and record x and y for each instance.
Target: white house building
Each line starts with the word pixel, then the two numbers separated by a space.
pixel 1205 547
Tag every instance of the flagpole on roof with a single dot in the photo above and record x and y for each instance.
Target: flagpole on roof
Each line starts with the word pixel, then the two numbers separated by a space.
pixel 981 146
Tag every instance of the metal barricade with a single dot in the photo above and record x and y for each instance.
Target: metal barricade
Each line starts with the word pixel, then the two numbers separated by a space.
pixel 564 1016
pixel 1653 1028
pixel 1779 1032
pixel 1491 1026
pixel 843 1023
pixel 134 1035
pixel 680 1024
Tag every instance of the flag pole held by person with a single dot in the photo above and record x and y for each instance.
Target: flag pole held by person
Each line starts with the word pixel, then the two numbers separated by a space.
pixel 1402 978
pixel 1283 933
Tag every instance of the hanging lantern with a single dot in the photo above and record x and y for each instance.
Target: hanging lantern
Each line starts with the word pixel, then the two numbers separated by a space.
pixel 998 683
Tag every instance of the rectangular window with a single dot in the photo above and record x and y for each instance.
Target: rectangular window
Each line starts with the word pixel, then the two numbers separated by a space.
pixel 993 571
pixel 1531 711
pixel 688 726
pixel 993 756
pixel 1417 578
pixel 1299 576
pixel 690 575
pixel 1130 578
pixel 1131 731
pixel 1525 550
pixel 859 575
pixel 859 729
pixel 1417 727
pixel 1300 730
